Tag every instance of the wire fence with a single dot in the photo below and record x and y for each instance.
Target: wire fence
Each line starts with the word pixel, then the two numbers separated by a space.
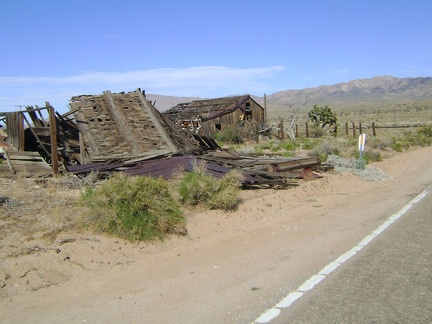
pixel 350 129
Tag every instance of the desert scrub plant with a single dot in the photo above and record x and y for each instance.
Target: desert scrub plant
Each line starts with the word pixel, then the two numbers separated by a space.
pixel 289 145
pixel 258 149
pixel 230 134
pixel 134 208
pixel 198 188
pixel 309 144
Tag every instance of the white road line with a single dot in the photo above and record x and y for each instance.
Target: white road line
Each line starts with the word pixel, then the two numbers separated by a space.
pixel 287 301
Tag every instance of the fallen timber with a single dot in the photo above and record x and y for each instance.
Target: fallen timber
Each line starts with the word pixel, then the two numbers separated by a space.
pixel 257 172
pixel 123 132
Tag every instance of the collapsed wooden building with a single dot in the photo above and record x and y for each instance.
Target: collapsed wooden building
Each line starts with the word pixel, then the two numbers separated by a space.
pixel 124 132
pixel 211 115
pixel 126 126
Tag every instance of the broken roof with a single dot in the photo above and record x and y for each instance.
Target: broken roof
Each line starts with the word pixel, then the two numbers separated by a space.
pixel 121 126
pixel 209 108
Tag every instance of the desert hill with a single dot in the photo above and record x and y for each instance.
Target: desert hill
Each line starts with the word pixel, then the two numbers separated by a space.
pixel 378 90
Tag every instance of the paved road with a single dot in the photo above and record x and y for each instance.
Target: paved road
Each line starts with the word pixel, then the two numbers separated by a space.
pixel 388 281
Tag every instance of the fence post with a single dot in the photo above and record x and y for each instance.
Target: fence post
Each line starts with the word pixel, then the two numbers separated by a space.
pixel 296 126
pixel 346 128
pixel 282 133
pixel 307 130
pixel 361 128
pixel 373 129
pixel 354 131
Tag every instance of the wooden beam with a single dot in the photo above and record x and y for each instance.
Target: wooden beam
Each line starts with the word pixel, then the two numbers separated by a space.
pixel 85 133
pixel 35 135
pixel 53 137
pixel 157 124
pixel 21 132
pixel 9 162
pixel 121 122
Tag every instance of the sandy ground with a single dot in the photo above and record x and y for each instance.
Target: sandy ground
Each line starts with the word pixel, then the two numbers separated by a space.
pixel 230 268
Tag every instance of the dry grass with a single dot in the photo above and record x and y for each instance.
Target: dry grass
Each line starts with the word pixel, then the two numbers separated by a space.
pixel 38 208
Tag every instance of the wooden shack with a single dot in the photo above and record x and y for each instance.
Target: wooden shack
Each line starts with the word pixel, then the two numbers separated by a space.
pixel 125 126
pixel 206 117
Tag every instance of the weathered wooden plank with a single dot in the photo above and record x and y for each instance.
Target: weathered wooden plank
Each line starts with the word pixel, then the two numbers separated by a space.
pixel 84 129
pixel 121 122
pixel 42 131
pixel 8 161
pixel 157 124
pixel 13 154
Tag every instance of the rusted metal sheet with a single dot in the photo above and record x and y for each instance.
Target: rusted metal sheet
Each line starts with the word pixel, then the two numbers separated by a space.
pixel 167 168
pixel 255 174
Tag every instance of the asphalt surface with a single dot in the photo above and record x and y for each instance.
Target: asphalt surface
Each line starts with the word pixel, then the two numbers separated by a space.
pixel 388 281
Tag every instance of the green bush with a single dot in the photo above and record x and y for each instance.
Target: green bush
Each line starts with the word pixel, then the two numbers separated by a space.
pixel 198 188
pixel 309 144
pixel 373 155
pixel 267 145
pixel 231 134
pixel 289 145
pixel 258 149
pixel 329 146
pixel 398 146
pixel 425 131
pixel 134 208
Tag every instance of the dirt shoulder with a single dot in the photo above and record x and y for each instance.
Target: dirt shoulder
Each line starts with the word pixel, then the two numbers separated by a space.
pixel 229 268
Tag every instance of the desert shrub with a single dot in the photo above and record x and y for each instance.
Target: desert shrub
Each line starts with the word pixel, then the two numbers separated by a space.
pixel 398 146
pixel 424 136
pixel 289 145
pixel 288 153
pixel 258 149
pixel 198 188
pixel 231 134
pixel 134 208
pixel 372 155
pixel 327 147
pixel 275 148
pixel 309 144
pixel 317 132
pixel 267 145
pixel 425 131
pixel 379 142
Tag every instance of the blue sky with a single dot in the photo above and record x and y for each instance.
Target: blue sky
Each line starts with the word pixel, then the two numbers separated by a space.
pixel 54 49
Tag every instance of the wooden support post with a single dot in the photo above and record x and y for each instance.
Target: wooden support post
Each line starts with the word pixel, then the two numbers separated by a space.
pixel 307 130
pixel 373 129
pixel 354 130
pixel 21 135
pixel 296 131
pixel 346 128
pixel 360 128
pixel 53 137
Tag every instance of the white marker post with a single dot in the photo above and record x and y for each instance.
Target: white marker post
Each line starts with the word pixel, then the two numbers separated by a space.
pixel 362 143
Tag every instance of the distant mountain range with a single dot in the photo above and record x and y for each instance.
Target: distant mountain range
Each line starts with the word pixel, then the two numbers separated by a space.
pixel 380 89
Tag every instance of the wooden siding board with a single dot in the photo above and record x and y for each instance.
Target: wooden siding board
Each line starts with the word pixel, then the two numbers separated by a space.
pixel 124 126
